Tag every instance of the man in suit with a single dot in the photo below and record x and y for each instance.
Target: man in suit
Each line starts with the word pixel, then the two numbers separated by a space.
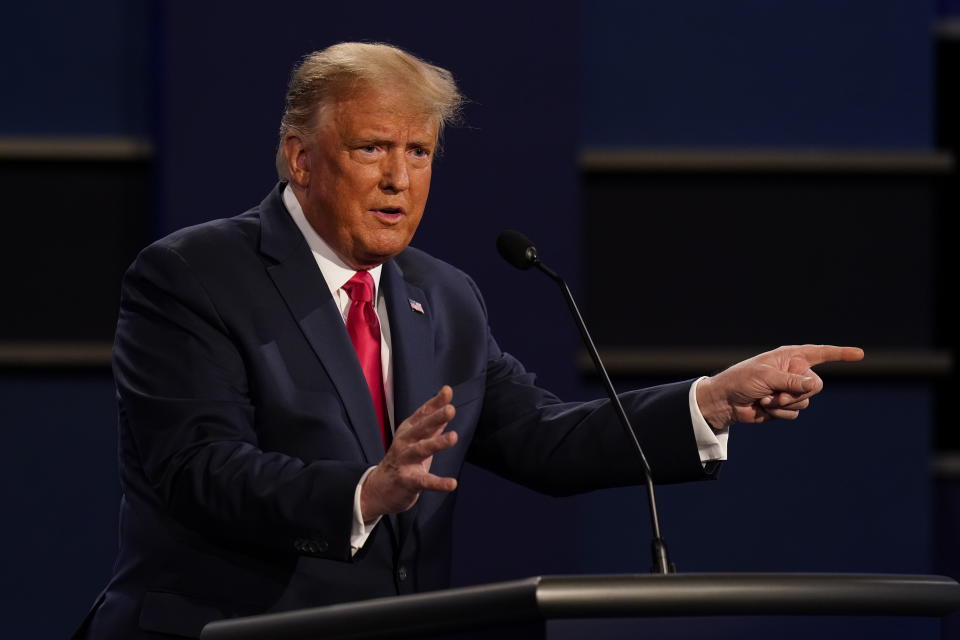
pixel 298 388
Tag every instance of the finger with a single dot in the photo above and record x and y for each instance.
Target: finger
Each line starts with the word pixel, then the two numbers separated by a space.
pixel 430 482
pixel 780 400
pixel 796 406
pixel 816 354
pixel 420 426
pixel 787 401
pixel 443 397
pixel 783 414
pixel 430 446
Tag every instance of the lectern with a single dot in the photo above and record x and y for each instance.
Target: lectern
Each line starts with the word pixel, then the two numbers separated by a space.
pixel 522 608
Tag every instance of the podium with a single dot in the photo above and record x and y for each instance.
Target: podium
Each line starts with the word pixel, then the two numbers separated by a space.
pixel 522 608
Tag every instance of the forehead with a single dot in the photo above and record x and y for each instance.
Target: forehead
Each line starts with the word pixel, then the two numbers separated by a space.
pixel 379 112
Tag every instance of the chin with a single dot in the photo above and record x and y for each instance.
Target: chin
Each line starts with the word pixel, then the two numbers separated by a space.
pixel 374 256
pixel 389 246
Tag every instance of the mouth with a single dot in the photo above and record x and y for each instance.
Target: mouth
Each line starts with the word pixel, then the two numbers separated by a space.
pixel 388 214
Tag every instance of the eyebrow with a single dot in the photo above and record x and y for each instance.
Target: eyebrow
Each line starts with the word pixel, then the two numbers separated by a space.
pixel 376 140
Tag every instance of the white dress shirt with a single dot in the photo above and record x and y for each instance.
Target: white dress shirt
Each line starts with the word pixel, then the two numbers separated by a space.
pixel 712 445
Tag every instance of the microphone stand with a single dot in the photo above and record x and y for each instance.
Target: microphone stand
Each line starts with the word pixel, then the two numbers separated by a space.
pixel 661 561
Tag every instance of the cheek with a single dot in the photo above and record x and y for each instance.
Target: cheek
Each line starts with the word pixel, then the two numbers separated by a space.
pixel 421 186
pixel 357 183
pixel 413 222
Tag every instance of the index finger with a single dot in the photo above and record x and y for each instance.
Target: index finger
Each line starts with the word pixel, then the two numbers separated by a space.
pixel 819 353
pixel 442 398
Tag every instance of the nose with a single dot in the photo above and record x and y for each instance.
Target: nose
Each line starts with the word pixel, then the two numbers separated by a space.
pixel 393 173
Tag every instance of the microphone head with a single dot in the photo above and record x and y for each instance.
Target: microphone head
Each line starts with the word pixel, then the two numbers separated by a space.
pixel 516 248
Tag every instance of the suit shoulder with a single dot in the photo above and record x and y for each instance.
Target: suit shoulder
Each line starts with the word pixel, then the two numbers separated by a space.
pixel 213 236
pixel 210 254
pixel 422 268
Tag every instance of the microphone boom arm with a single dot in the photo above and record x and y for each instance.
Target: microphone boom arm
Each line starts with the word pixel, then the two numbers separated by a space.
pixel 661 561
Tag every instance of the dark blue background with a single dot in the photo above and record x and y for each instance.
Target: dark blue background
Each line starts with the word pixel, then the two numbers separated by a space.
pixel 845 489
pixel 821 73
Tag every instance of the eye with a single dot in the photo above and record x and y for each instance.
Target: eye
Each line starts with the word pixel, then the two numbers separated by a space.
pixel 366 152
pixel 420 152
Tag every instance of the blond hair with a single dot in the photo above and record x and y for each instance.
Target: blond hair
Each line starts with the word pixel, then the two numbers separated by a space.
pixel 323 77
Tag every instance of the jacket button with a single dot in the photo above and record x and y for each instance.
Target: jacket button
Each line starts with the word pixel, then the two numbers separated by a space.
pixel 402 573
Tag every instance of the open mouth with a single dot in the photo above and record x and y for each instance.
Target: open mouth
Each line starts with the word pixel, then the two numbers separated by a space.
pixel 389 214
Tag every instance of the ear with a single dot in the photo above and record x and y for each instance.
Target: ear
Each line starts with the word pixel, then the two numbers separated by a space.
pixel 298 161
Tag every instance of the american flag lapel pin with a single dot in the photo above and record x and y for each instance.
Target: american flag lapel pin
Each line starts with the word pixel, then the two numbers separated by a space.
pixel 415 306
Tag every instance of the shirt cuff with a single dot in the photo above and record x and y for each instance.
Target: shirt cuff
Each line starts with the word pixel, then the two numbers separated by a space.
pixel 360 530
pixel 711 444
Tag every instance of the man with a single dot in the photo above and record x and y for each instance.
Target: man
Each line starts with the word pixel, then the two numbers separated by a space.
pixel 298 389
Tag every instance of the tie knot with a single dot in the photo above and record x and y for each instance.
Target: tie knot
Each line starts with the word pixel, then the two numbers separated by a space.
pixel 360 287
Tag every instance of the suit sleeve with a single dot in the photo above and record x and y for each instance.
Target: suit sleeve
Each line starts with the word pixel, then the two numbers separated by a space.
pixel 528 435
pixel 188 431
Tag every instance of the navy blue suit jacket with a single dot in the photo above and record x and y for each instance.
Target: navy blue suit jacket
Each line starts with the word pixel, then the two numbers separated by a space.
pixel 245 425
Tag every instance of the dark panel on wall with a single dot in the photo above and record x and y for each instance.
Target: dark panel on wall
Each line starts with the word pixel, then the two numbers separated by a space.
pixel 760 260
pixel 948 90
pixel 71 231
pixel 948 137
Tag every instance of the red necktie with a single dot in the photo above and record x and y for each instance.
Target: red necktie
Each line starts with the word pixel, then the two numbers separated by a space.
pixel 364 330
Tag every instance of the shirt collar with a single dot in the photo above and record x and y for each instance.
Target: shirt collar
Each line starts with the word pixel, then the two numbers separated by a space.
pixel 335 272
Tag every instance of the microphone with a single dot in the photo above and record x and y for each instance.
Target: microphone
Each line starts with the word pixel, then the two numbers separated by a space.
pixel 516 248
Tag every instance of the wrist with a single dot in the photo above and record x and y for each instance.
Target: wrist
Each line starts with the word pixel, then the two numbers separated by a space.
pixel 370 508
pixel 713 404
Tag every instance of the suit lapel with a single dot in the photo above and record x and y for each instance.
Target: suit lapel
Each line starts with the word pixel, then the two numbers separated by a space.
pixel 301 284
pixel 412 354
pixel 411 335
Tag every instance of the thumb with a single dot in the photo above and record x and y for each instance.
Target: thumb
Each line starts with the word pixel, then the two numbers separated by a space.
pixel 794 383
